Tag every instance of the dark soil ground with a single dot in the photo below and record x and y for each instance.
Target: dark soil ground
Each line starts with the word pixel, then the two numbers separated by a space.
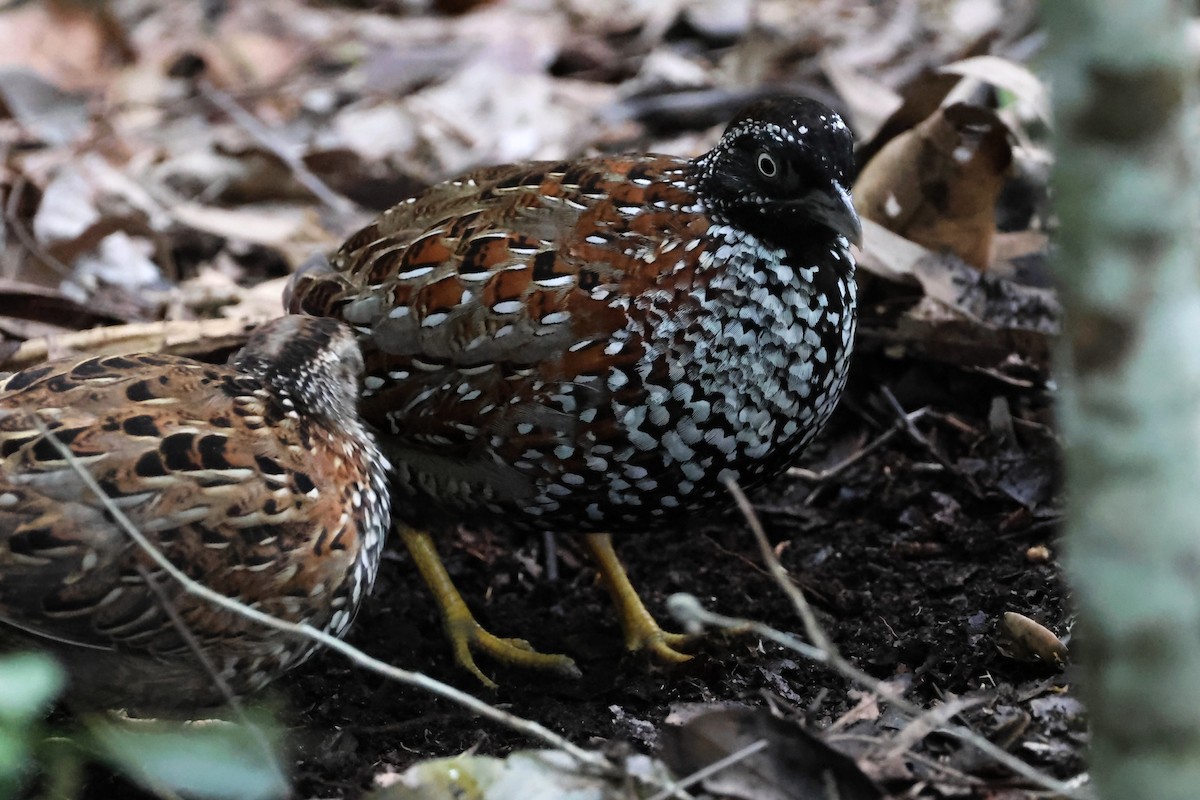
pixel 911 555
pixel 910 565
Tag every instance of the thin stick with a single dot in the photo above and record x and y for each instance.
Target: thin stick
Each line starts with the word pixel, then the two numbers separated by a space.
pixel 694 617
pixel 193 643
pixel 168 607
pixel 711 769
pixel 919 438
pixel 528 727
pixel 811 626
pixel 851 460
pixel 26 238
pixel 343 208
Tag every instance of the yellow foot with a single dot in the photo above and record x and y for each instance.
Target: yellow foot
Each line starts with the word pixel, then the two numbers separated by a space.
pixel 464 632
pixel 641 630
pixel 467 635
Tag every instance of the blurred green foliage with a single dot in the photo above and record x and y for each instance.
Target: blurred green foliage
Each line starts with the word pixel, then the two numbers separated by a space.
pixel 210 759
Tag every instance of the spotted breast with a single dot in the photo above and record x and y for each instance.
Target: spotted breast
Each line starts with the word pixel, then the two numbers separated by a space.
pixel 598 344
pixel 256 479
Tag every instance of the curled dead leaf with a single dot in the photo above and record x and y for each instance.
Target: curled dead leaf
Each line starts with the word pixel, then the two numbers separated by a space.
pixel 938 183
pixel 961 316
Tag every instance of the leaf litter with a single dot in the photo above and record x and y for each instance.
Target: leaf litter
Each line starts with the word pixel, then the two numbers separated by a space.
pixel 167 164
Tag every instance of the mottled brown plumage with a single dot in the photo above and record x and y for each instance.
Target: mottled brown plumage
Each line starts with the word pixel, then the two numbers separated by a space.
pixel 256 479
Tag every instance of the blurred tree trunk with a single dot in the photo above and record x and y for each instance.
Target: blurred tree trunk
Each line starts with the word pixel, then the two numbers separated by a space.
pixel 1123 81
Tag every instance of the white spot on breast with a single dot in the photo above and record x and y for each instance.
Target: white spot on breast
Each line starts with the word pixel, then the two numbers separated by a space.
pixel 676 447
pixel 659 415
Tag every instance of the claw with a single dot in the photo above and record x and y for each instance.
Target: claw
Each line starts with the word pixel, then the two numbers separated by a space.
pixel 465 633
pixel 642 632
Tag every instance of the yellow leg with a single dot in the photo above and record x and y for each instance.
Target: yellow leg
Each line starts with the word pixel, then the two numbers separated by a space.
pixel 462 629
pixel 641 631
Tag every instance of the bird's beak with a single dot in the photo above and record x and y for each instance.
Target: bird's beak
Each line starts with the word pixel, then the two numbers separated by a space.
pixel 835 210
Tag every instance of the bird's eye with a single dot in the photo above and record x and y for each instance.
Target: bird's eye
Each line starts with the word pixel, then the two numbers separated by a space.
pixel 767 165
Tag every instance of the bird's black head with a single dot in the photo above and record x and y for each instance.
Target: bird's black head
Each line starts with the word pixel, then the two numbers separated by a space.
pixel 781 171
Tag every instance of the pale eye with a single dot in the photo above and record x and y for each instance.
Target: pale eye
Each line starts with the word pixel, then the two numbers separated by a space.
pixel 767 165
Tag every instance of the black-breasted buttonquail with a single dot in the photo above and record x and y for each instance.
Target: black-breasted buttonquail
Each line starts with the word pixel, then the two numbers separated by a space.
pixel 596 345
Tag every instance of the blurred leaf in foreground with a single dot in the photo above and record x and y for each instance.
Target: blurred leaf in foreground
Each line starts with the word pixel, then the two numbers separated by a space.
pixel 208 759
pixel 28 684
pixel 529 775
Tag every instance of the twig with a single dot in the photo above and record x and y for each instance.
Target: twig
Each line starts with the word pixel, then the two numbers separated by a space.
pixel 814 630
pixel 25 236
pixel 343 208
pixel 919 438
pixel 923 724
pixel 189 638
pixel 178 337
pixel 945 771
pixel 424 682
pixel 711 769
pixel 830 655
pixel 687 609
pixel 851 460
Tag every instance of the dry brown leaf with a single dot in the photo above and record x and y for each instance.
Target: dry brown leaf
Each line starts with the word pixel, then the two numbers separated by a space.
pixel 269 224
pixel 41 306
pixel 75 46
pixel 920 97
pixel 1009 75
pixel 793 763
pixel 938 183
pixel 41 108
pixel 261 301
pixel 867 708
pixel 965 317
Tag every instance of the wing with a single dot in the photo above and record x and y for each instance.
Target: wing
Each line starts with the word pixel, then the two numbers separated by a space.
pixel 233 491
pixel 502 301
